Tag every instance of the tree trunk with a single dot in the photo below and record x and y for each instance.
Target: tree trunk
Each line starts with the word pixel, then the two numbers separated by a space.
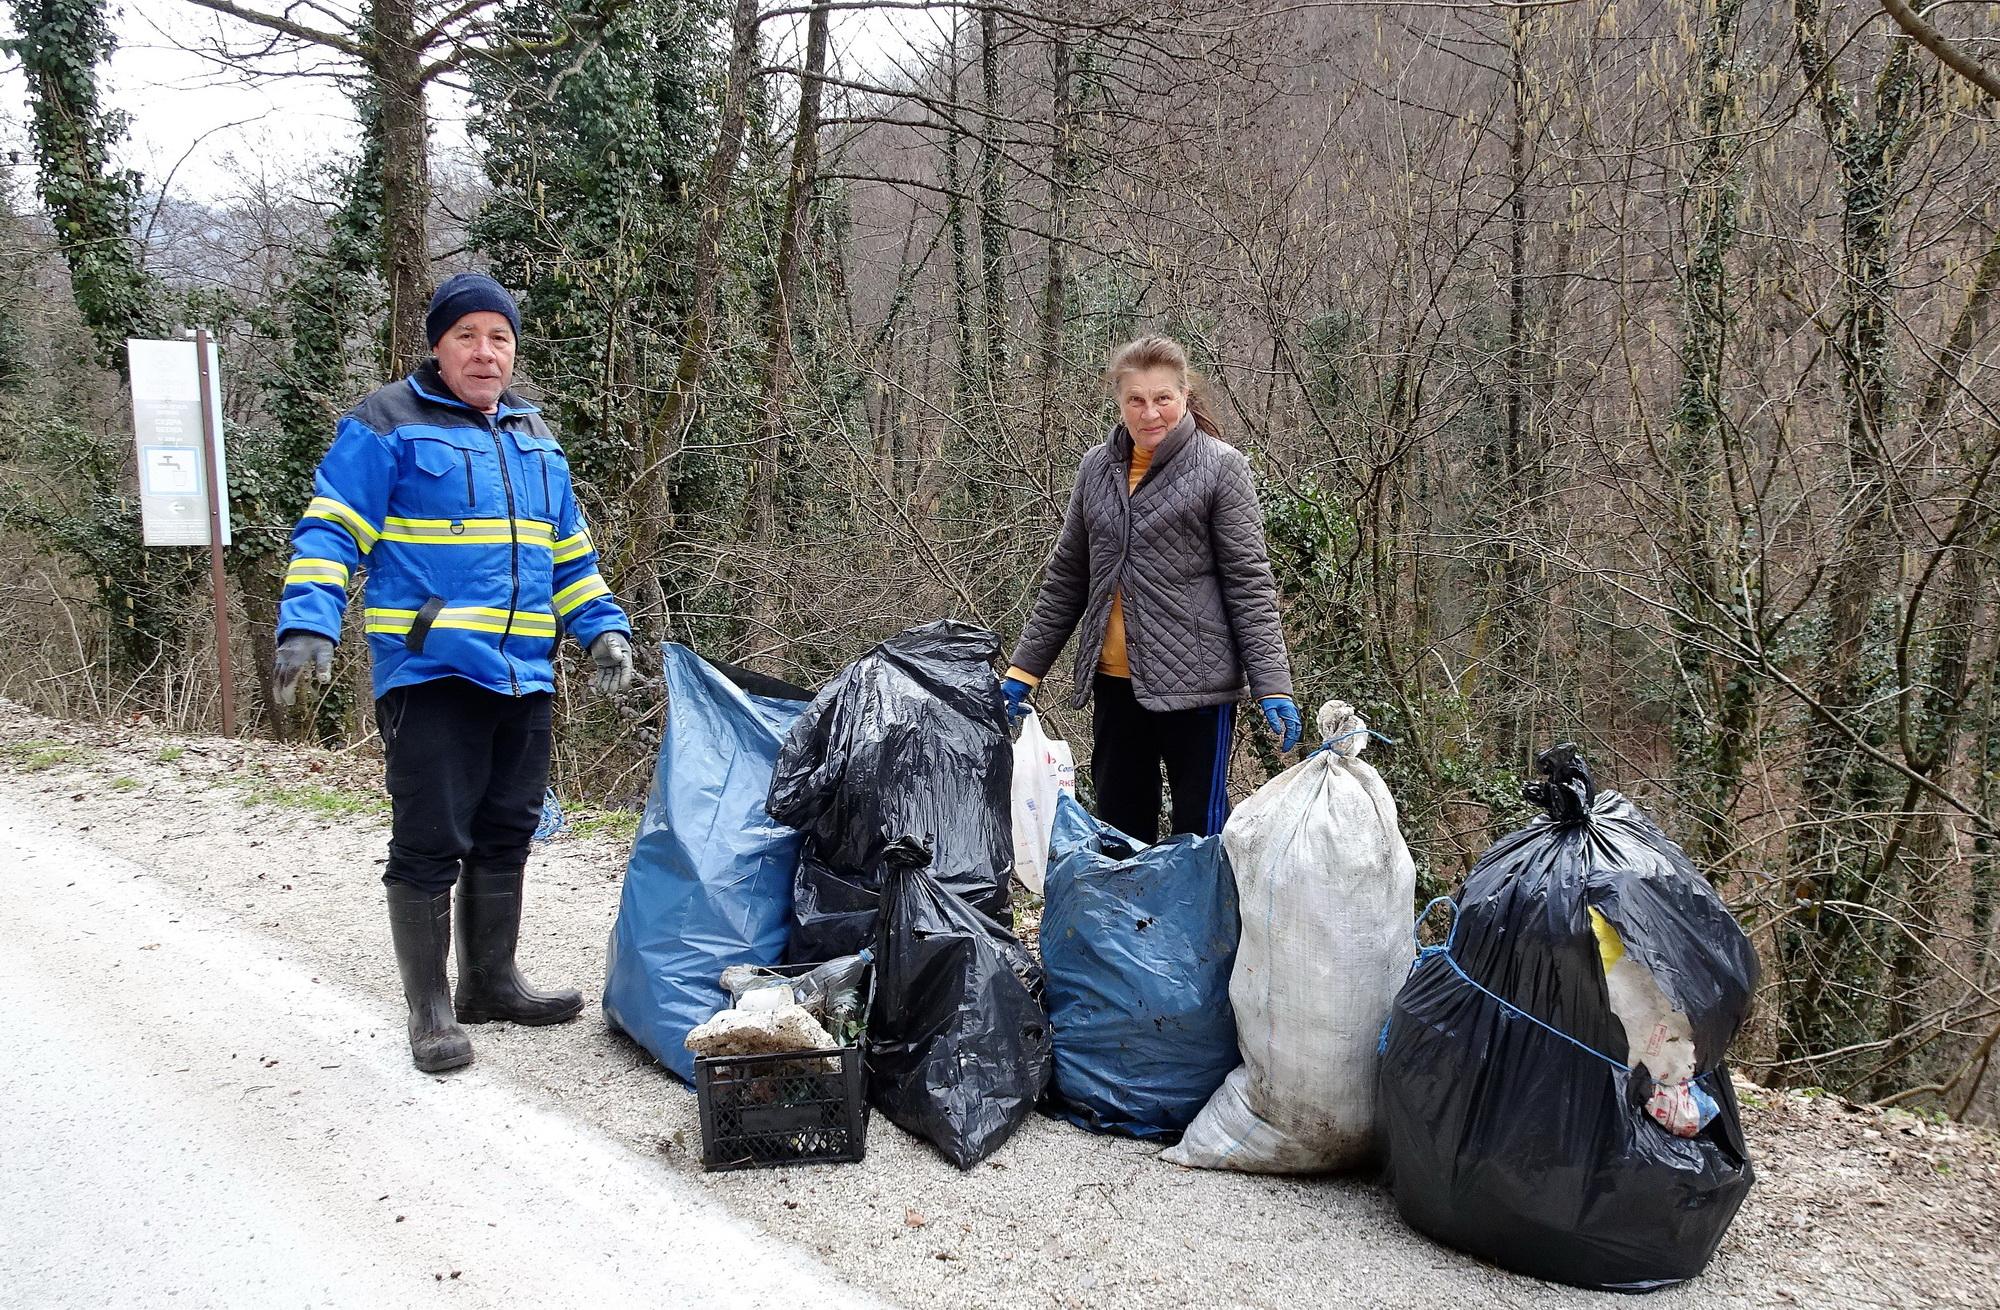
pixel 1514 716
pixel 954 217
pixel 1830 954
pixel 90 204
pixel 1714 708
pixel 653 498
pixel 1062 189
pixel 397 67
pixel 1933 734
pixel 993 234
pixel 261 586
pixel 768 475
pixel 1927 857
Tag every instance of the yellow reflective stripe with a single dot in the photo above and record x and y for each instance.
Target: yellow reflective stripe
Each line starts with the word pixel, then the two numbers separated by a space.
pixel 527 527
pixel 481 618
pixel 570 548
pixel 525 625
pixel 470 618
pixel 307 569
pixel 395 622
pixel 468 532
pixel 326 507
pixel 576 593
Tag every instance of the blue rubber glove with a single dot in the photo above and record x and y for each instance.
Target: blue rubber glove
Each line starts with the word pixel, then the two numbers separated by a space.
pixel 1016 692
pixel 1283 717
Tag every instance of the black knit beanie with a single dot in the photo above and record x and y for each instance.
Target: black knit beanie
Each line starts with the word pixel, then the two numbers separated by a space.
pixel 468 293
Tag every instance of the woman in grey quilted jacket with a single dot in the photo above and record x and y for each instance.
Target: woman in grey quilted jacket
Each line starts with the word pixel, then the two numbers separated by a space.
pixel 1161 572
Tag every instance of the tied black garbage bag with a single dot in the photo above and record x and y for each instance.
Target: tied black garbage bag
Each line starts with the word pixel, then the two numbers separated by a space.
pixel 1515 1130
pixel 911 738
pixel 958 1039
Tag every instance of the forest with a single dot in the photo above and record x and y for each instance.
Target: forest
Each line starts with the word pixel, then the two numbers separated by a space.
pixel 1619 374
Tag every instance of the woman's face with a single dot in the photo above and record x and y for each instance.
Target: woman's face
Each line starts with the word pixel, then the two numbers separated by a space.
pixel 1151 401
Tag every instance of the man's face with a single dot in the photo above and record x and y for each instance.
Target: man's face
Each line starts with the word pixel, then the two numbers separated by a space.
pixel 476 357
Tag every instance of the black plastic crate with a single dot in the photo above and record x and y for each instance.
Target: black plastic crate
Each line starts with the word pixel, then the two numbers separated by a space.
pixel 788 1107
pixel 792 1107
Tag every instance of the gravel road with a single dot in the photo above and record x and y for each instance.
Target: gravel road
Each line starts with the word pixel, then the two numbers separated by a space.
pixel 257 865
pixel 192 1116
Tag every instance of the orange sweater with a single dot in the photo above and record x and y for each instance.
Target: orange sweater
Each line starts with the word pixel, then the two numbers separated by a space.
pixel 1111 659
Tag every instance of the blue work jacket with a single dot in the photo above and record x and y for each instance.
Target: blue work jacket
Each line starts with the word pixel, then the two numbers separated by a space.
pixel 475 555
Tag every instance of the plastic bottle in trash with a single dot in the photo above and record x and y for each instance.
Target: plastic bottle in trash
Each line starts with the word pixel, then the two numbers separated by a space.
pixel 834 990
pixel 745 981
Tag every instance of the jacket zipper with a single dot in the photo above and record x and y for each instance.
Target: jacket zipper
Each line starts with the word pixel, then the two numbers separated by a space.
pixel 513 552
pixel 471 500
pixel 1124 475
pixel 548 507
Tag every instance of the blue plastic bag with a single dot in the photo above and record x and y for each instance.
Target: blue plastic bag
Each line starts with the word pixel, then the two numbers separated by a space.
pixel 553 822
pixel 1137 943
pixel 709 883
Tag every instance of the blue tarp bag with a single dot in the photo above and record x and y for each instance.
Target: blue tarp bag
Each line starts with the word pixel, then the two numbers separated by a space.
pixel 709 883
pixel 1138 943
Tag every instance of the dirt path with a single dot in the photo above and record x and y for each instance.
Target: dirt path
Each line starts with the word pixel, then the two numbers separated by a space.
pixel 1853 1207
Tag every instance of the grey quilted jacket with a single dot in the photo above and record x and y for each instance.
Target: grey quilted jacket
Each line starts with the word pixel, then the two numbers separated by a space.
pixel 1186 547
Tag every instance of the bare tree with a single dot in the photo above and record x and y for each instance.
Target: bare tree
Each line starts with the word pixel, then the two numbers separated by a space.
pixel 402 53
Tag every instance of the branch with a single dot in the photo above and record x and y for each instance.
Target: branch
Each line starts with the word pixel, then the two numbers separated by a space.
pixel 1949 55
pixel 426 39
pixel 278 23
pixel 1836 111
pixel 585 31
pixel 1751 652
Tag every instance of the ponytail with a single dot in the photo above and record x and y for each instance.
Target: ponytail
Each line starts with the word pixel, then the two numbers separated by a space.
pixel 1204 413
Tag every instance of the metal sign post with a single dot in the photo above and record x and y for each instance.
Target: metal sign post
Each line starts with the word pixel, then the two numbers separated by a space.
pixel 183 476
pixel 218 584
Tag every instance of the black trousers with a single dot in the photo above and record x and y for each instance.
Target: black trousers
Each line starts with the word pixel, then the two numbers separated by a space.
pixel 1130 745
pixel 467 769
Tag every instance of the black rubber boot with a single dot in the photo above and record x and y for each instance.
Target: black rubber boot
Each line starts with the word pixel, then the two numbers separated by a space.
pixel 420 925
pixel 489 928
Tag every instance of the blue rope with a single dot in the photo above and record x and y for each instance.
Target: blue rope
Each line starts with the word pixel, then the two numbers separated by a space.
pixel 1508 1009
pixel 1423 953
pixel 1331 742
pixel 1450 935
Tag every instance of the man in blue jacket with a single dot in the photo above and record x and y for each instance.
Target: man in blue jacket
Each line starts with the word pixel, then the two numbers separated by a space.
pixel 448 492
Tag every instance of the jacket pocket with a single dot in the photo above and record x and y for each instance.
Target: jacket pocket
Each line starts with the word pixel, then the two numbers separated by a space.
pixel 389 714
pixel 450 461
pixel 541 462
pixel 1222 662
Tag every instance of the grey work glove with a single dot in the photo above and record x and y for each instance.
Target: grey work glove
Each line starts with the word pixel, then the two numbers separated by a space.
pixel 298 654
pixel 612 653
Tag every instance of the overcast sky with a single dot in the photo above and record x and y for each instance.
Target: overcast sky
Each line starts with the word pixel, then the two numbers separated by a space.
pixel 186 109
pixel 206 124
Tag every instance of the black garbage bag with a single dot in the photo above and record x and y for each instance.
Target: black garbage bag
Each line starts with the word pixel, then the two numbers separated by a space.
pixel 958 1039
pixel 1515 1130
pixel 910 738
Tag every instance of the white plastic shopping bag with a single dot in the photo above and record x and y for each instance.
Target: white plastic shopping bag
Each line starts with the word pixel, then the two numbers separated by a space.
pixel 1326 889
pixel 1043 769
pixel 1656 1035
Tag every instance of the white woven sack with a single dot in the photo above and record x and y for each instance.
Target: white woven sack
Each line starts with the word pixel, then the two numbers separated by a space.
pixel 1326 887
pixel 1043 769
